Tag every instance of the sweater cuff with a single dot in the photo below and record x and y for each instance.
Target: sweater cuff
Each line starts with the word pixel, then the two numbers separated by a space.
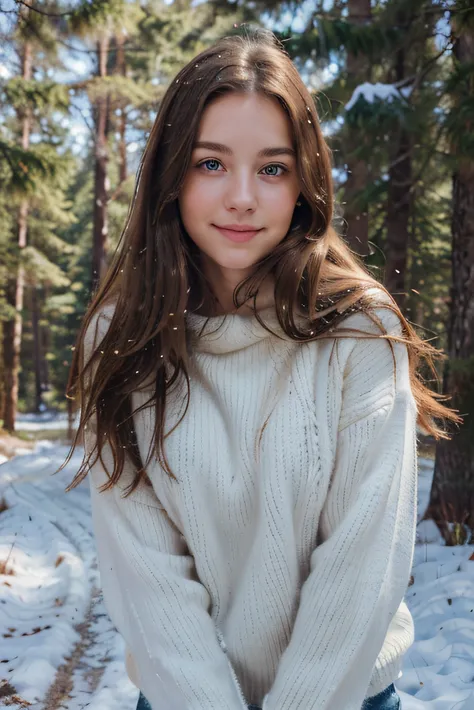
pixel 399 638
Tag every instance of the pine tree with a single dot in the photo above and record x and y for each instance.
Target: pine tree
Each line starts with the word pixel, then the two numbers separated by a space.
pixel 29 172
pixel 100 28
pixel 15 290
pixel 390 126
pixel 452 495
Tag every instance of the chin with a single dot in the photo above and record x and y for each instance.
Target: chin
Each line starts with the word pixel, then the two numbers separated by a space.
pixel 236 261
pixel 237 265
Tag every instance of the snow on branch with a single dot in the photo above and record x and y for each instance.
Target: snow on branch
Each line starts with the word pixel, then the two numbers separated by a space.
pixel 382 92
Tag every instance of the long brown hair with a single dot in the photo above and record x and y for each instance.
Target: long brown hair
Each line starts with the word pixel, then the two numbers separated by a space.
pixel 156 277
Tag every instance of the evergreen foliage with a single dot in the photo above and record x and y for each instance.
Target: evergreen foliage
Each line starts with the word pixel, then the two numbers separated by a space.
pixel 420 122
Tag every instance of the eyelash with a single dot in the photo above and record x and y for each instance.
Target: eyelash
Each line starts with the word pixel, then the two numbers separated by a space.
pixel 210 160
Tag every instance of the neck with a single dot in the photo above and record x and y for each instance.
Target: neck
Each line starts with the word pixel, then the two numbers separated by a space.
pixel 224 283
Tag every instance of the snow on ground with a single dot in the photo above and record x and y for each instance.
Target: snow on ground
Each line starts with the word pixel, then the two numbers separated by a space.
pixel 58 648
pixel 40 422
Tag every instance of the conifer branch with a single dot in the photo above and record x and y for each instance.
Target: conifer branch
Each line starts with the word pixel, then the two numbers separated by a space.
pixel 33 8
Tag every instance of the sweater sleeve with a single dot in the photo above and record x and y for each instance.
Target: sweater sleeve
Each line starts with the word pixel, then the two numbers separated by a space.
pixel 360 570
pixel 154 598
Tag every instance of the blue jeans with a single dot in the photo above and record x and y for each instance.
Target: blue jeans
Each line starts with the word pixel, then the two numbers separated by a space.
pixel 386 700
pixel 143 703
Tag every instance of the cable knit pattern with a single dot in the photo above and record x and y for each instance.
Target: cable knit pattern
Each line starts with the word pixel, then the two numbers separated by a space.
pixel 273 570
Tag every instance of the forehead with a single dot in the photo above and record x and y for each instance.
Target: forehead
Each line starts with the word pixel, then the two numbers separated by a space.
pixel 237 117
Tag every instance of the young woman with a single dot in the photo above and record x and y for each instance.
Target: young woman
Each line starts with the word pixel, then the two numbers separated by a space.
pixel 249 398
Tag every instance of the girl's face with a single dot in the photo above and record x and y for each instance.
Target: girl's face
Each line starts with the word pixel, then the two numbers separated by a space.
pixel 239 194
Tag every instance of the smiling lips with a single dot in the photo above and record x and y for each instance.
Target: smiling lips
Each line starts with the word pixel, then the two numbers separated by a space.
pixel 238 232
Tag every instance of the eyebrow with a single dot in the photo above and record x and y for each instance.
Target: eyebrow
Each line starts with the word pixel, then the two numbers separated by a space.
pixel 265 153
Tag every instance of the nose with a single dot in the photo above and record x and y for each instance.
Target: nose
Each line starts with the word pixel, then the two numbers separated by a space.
pixel 241 193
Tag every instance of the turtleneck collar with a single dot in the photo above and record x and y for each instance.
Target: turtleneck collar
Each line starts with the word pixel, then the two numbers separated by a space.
pixel 231 332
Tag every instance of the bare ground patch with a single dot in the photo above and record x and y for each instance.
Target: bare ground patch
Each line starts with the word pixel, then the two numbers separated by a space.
pixel 62 688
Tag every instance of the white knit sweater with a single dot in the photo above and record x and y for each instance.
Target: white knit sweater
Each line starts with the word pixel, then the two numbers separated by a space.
pixel 273 571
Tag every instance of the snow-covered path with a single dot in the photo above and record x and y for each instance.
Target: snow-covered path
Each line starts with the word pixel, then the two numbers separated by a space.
pixel 58 648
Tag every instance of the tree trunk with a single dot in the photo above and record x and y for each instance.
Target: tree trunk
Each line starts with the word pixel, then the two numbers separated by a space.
pixel 414 284
pixel 101 182
pixel 13 329
pixel 10 382
pixel 398 206
pixel 37 349
pixel 45 335
pixel 452 494
pixel 122 124
pixel 356 212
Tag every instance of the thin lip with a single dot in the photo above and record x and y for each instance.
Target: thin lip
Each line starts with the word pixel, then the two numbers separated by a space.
pixel 238 227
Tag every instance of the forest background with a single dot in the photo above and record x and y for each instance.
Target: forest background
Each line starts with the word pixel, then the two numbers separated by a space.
pixel 393 82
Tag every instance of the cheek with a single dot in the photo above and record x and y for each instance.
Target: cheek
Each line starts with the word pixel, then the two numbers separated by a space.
pixel 195 198
pixel 280 209
pixel 281 199
pixel 195 208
